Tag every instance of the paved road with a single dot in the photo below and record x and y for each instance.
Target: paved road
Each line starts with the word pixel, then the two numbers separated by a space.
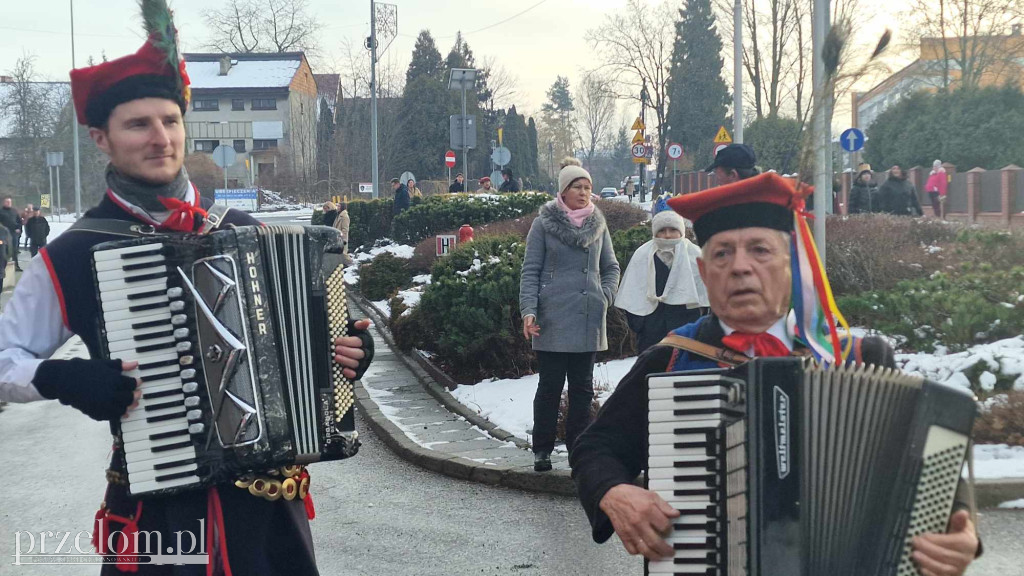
pixel 376 514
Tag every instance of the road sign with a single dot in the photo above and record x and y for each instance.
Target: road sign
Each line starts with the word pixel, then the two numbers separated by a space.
pixel 239 199
pixel 445 243
pixel 449 159
pixel 54 158
pixel 455 123
pixel 638 124
pixel 496 179
pixel 366 187
pixel 44 200
pixel 501 156
pixel 224 156
pixel 723 136
pixel 638 138
pixel 674 151
pixel 639 150
pixel 851 140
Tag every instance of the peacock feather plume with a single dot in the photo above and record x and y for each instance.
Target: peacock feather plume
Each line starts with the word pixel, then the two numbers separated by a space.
pixel 159 23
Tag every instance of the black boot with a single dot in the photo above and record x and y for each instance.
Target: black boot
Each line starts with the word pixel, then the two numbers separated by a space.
pixel 542 461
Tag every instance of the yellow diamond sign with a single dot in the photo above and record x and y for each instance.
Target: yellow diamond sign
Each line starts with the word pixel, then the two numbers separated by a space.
pixel 723 136
pixel 638 138
pixel 638 124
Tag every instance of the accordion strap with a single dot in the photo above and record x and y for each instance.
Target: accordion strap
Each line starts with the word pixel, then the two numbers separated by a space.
pixel 723 355
pixel 112 226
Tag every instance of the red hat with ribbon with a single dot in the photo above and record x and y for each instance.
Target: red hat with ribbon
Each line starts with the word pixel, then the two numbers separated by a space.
pixel 155 71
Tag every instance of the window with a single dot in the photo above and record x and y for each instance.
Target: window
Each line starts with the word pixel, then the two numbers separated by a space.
pixel 237 104
pixel 264 103
pixel 264 144
pixel 207 145
pixel 205 105
pixel 239 145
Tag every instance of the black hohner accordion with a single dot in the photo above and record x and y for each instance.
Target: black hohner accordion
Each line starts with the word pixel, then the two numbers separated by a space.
pixel 782 468
pixel 233 332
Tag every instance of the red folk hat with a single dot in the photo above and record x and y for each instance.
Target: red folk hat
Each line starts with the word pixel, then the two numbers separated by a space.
pixel 765 201
pixel 155 71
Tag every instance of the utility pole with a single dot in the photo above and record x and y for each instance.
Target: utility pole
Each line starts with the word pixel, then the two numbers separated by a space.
pixel 737 77
pixel 373 99
pixel 74 126
pixel 551 163
pixel 822 137
pixel 643 119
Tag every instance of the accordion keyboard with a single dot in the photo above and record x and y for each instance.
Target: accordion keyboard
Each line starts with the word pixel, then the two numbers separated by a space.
pixel 143 317
pixel 686 451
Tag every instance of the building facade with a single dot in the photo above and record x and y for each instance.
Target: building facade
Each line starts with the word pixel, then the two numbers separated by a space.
pixel 262 105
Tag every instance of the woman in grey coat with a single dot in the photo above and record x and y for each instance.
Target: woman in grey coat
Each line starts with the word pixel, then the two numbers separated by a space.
pixel 569 280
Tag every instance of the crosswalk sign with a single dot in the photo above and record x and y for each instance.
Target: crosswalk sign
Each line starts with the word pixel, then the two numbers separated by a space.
pixel 638 124
pixel 723 136
pixel 44 200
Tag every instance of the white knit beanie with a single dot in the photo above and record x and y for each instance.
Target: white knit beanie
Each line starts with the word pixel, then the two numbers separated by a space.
pixel 572 170
pixel 667 219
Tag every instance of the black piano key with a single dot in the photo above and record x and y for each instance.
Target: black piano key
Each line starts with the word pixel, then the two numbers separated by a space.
pixel 162 405
pixel 144 307
pixel 700 397
pixel 151 324
pixel 161 376
pixel 164 394
pixel 143 266
pixel 712 493
pixel 166 417
pixel 175 476
pixel 709 542
pixel 155 347
pixel 174 446
pixel 144 277
pixel 161 364
pixel 150 294
pixel 175 464
pixel 142 254
pixel 153 335
pixel 171 434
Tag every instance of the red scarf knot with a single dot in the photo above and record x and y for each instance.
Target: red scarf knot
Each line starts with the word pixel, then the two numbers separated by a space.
pixel 184 216
pixel 764 344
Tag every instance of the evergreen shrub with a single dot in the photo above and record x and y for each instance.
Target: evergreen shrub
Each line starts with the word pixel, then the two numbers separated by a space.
pixel 384 276
pixel 370 221
pixel 450 211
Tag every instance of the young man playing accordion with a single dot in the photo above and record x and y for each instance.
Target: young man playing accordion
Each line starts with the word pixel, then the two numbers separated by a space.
pixel 745 230
pixel 134 107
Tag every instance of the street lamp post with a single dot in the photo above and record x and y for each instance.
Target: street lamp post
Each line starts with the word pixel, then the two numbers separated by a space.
pixel 74 125
pixel 463 79
pixel 737 88
pixel 820 24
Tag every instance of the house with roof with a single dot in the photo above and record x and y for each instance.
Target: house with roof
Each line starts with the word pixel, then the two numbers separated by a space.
pixel 265 106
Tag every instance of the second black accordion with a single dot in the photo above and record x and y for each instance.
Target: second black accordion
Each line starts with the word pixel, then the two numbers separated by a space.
pixel 233 332
pixel 783 468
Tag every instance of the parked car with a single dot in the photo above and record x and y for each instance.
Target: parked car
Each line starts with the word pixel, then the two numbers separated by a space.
pixel 609 192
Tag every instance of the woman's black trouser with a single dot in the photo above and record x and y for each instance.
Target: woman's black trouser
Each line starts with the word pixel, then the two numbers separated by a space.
pixel 555 369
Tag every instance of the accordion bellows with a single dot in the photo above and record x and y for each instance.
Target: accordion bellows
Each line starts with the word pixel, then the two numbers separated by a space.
pixel 781 467
pixel 233 332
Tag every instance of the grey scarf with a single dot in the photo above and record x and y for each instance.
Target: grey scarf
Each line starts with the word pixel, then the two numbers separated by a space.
pixel 144 196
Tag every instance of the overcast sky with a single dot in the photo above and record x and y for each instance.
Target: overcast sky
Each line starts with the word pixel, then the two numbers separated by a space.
pixel 548 39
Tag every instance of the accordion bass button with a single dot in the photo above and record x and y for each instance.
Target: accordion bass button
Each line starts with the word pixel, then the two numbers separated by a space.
pixel 179 319
pixel 196 428
pixel 189 387
pixel 181 333
pixel 192 402
pixel 177 306
pixel 194 414
pixel 174 293
pixel 188 373
pixel 186 360
pixel 183 347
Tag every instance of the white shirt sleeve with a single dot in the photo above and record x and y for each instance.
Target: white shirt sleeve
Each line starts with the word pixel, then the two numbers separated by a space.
pixel 31 329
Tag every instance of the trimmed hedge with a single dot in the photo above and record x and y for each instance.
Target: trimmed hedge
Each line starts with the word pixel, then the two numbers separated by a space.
pixel 384 276
pixel 370 221
pixel 446 212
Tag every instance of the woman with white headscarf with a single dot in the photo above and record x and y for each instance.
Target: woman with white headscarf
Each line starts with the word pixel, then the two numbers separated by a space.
pixel 936 187
pixel 661 289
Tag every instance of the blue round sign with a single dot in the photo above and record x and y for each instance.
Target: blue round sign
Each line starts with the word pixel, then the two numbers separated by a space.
pixel 851 140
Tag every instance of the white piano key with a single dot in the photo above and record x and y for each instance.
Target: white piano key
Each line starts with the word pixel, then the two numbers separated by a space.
pixel 663 449
pixel 128 323
pixel 125 275
pixel 135 345
pixel 668 485
pixel 670 416
pixel 121 284
pixel 105 265
pixel 145 357
pixel 670 393
pixel 655 405
pixel 147 444
pixel 140 414
pixel 149 388
pixel 171 426
pixel 148 474
pixel 145 487
pixel 129 304
pixel 146 460
pixel 143 426
pixel 670 427
pixel 178 399
pixel 130 333
pixel 116 253
pixel 155 285
pixel 670 567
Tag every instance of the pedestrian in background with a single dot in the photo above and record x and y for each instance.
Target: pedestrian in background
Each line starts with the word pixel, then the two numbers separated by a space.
pixel 27 213
pixel 936 187
pixel 508 184
pixel 414 192
pixel 402 199
pixel 11 219
pixel 898 196
pixel 661 289
pixel 485 186
pixel 457 186
pixel 864 193
pixel 733 163
pixel 330 213
pixel 342 224
pixel 38 230
pixel 569 280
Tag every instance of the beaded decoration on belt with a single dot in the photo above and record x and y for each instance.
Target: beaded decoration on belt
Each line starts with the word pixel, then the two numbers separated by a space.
pixel 288 482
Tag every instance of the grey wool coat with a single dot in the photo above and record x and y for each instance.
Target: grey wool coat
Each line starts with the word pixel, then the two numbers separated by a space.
pixel 570 276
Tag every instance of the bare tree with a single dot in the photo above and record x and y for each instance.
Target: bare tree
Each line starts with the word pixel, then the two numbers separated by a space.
pixel 594 114
pixel 634 46
pixel 263 26
pixel 502 83
pixel 974 38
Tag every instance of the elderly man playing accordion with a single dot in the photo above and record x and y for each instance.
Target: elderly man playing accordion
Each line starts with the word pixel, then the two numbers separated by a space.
pixel 745 230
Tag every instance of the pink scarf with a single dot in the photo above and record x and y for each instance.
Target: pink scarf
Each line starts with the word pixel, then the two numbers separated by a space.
pixel 576 216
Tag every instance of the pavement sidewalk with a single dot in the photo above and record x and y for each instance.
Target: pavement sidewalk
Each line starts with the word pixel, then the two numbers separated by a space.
pixel 418 419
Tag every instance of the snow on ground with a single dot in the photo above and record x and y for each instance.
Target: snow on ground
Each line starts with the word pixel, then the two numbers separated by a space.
pixel 422 279
pixel 998 461
pixel 383 306
pixel 1013 504
pixel 1004 357
pixel 58 228
pixel 509 402
pixel 399 250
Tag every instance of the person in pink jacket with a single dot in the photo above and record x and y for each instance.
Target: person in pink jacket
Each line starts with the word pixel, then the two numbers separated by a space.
pixel 936 188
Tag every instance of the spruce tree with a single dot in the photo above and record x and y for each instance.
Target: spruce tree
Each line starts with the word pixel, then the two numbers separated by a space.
pixel 425 109
pixel 698 96
pixel 557 112
pixel 426 59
